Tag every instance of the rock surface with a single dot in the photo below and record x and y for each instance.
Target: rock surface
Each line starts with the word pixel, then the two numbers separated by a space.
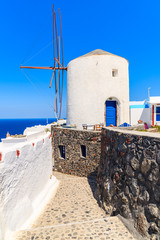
pixel 135 193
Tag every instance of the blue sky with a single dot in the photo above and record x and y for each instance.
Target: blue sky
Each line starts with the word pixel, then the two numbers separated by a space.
pixel 130 29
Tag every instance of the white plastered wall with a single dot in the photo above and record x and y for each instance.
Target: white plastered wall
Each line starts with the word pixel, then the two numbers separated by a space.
pixel 139 114
pixel 90 84
pixel 26 183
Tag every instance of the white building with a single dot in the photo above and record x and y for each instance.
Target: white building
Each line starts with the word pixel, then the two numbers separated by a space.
pixel 147 111
pixel 97 89
pixel 139 110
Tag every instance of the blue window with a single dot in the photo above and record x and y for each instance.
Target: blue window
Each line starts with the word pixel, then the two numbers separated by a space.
pixel 157 109
pixel 158 114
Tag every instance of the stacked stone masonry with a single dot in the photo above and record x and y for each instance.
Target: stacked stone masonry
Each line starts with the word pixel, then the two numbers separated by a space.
pixel 74 163
pixel 128 179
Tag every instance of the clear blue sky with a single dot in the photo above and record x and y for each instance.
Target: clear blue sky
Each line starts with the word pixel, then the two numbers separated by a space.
pixel 130 29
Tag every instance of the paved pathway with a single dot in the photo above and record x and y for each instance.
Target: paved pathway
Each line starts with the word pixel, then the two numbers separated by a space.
pixel 74 214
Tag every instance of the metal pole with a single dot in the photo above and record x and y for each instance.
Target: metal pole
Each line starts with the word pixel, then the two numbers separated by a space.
pixel 149 93
pixel 46 68
pixel 62 64
pixel 53 36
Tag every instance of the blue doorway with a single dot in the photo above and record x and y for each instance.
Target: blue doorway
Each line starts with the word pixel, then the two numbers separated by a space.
pixel 111 113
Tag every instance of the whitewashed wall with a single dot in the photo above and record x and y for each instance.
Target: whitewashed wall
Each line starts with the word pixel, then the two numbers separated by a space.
pixel 140 114
pixel 26 182
pixel 140 110
pixel 90 84
pixel 38 128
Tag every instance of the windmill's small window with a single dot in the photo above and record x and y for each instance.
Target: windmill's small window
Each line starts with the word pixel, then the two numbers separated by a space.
pixel 62 152
pixel 83 151
pixel 114 72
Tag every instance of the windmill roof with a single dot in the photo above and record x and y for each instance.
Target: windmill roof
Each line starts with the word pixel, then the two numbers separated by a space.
pixel 99 52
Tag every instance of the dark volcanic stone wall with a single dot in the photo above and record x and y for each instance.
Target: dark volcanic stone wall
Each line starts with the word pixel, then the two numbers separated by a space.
pixel 129 179
pixel 72 139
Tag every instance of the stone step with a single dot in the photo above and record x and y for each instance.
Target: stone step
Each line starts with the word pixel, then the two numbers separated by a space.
pixel 104 228
pixel 73 213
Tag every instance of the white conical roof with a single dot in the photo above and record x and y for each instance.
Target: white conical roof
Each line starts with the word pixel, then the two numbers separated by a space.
pixel 99 52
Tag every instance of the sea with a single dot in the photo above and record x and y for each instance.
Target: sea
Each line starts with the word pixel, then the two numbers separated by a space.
pixel 17 126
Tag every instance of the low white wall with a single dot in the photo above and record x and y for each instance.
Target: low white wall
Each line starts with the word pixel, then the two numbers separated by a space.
pixel 35 129
pixel 26 182
pixel 139 114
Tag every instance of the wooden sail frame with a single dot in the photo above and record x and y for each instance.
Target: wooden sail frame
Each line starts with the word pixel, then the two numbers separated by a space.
pixel 56 76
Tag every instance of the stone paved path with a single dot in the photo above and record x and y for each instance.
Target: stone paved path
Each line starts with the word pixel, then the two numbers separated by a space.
pixel 74 214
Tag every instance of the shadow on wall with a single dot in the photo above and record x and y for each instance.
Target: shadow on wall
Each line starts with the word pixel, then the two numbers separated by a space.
pixel 92 180
pixel 145 116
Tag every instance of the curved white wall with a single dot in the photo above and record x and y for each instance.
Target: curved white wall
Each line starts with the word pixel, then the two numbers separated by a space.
pixel 26 182
pixel 90 84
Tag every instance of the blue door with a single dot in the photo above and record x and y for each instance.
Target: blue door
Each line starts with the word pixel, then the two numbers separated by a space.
pixel 111 113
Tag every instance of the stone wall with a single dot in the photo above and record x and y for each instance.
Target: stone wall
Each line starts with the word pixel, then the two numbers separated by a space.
pixel 129 178
pixel 72 139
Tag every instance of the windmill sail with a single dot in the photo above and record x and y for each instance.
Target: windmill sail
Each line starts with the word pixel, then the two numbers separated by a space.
pixel 57 65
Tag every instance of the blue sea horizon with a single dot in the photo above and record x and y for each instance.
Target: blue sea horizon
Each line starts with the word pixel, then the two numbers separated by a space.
pixel 17 126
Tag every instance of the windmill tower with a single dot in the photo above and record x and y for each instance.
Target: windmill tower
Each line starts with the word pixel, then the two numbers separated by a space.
pixel 58 65
pixel 98 90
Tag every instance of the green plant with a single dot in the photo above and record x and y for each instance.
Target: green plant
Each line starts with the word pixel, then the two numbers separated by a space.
pixel 47 130
pixel 158 128
pixel 140 130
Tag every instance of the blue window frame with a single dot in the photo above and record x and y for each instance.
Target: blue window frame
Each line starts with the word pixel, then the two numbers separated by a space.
pixel 158 114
